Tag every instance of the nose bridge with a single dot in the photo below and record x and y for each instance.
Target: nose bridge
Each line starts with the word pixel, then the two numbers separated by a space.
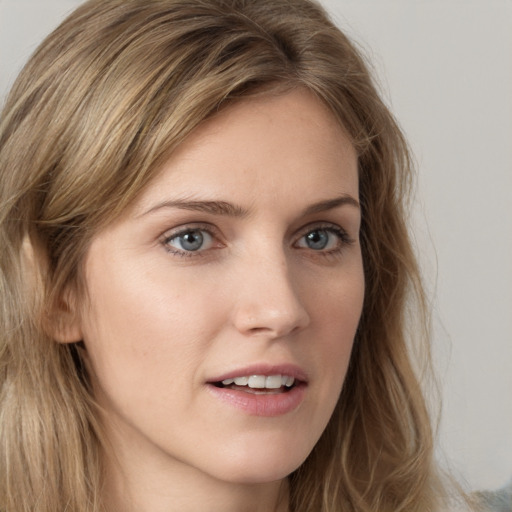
pixel 268 298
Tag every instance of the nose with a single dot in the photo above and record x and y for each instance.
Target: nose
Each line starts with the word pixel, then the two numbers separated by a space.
pixel 268 302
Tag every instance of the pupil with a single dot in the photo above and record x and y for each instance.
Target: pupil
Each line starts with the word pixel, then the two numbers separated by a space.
pixel 317 239
pixel 192 241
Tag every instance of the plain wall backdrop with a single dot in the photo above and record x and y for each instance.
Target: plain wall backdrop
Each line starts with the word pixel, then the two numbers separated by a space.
pixel 445 69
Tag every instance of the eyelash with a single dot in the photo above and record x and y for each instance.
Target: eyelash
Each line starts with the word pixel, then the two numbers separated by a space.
pixel 183 231
pixel 344 240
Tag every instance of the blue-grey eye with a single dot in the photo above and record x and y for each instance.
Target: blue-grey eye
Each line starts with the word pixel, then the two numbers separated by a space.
pixel 320 240
pixel 191 240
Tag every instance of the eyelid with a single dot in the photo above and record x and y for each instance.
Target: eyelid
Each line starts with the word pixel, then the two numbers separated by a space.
pixel 342 233
pixel 169 234
pixel 328 226
pixel 188 226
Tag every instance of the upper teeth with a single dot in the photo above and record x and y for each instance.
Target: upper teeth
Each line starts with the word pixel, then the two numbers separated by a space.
pixel 261 381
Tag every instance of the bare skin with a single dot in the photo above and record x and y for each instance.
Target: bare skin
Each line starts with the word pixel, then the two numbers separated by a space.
pixel 241 259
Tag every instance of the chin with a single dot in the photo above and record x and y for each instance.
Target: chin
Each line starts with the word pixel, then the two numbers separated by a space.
pixel 257 466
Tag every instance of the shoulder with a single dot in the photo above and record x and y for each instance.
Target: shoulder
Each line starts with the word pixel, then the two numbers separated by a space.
pixel 497 501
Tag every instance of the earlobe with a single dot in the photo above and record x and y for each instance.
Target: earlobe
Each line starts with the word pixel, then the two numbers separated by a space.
pixel 64 322
pixel 66 330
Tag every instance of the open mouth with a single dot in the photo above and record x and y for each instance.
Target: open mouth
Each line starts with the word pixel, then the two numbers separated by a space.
pixel 259 384
pixel 272 393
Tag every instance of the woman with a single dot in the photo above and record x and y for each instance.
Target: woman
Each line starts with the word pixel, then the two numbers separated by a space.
pixel 206 269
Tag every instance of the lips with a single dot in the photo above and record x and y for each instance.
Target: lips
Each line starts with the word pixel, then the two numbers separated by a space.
pixel 261 390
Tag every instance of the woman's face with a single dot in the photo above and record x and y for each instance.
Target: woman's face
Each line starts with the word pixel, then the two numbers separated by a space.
pixel 239 263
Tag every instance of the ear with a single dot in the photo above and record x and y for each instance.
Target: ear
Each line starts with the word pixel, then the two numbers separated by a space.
pixel 61 320
pixel 64 323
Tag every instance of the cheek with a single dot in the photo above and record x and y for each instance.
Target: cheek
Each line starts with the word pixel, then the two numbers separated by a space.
pixel 336 301
pixel 336 313
pixel 141 325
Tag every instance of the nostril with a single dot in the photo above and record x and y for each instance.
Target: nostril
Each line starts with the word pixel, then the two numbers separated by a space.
pixel 259 330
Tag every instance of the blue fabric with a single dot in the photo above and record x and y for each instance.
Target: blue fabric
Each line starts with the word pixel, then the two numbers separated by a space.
pixel 497 501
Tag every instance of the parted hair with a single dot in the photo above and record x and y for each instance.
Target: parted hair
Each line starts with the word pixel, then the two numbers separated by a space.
pixel 94 114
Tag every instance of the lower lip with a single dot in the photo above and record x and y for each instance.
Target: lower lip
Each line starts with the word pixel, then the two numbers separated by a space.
pixel 268 405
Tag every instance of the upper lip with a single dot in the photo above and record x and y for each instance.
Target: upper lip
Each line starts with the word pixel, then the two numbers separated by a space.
pixel 290 370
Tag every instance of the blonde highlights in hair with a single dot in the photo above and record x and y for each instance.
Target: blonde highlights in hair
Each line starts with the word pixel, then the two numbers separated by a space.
pixel 93 116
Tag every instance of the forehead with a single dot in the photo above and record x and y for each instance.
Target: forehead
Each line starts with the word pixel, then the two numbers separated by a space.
pixel 266 145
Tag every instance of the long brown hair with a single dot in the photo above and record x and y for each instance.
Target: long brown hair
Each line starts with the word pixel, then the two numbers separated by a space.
pixel 96 111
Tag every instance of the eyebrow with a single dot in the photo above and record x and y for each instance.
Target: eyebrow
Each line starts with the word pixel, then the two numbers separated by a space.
pixel 213 207
pixel 233 210
pixel 330 204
